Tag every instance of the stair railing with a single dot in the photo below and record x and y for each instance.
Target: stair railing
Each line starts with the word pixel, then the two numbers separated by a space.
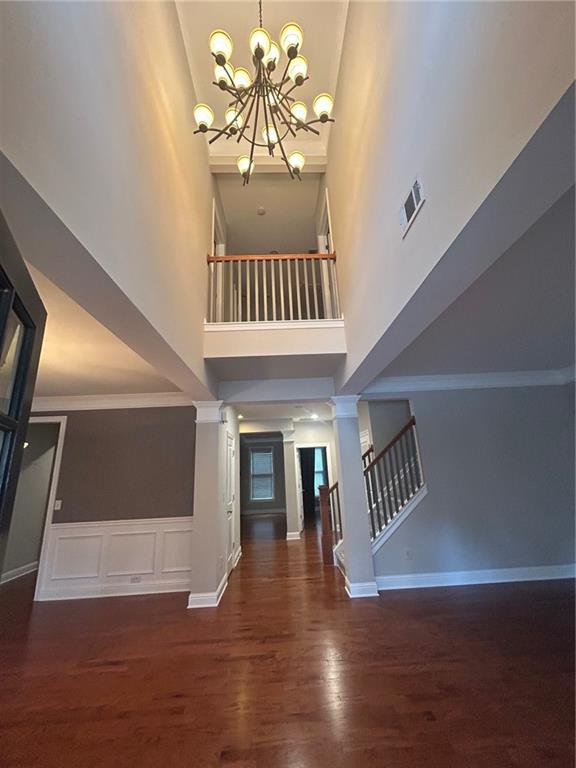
pixel 272 288
pixel 331 518
pixel 393 478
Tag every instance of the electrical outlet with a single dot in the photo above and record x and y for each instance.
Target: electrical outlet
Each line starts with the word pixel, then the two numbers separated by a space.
pixel 57 505
pixel 135 579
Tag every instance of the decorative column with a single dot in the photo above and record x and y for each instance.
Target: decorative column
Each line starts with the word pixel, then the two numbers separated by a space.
pixel 209 575
pixel 360 579
pixel 293 521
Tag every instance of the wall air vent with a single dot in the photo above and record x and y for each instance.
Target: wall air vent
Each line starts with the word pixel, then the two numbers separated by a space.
pixel 412 204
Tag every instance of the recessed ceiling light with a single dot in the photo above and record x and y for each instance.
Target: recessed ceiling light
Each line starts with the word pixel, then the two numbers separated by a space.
pixel 240 416
pixel 313 415
pixel 26 445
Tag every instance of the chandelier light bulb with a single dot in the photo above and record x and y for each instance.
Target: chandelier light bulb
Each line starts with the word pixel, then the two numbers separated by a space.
pixel 204 117
pixel 299 111
pixel 272 57
pixel 269 135
pixel 221 46
pixel 233 120
pixel 296 161
pixel 291 39
pixel 297 70
pixel 323 105
pixel 244 165
pixel 224 76
pixel 242 79
pixel 260 42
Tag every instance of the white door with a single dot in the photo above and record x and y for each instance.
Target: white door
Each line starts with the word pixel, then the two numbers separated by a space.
pixel 230 495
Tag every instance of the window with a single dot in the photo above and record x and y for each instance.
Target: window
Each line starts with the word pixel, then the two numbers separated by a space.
pixel 320 474
pixel 261 474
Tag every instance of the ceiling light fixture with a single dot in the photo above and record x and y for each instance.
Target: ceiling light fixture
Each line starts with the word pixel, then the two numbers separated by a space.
pixel 262 111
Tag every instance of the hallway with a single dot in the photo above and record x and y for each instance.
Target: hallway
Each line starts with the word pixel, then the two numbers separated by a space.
pixel 288 672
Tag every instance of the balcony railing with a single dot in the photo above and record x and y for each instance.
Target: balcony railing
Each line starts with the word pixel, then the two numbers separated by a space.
pixel 272 288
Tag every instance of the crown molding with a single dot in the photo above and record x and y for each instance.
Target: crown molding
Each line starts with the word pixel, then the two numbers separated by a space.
pixel 110 402
pixel 398 384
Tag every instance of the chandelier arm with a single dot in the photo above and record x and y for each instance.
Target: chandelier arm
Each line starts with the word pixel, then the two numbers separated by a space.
pixel 247 178
pixel 281 145
pixel 306 127
pixel 286 122
pixel 245 126
pixel 296 85
pixel 263 95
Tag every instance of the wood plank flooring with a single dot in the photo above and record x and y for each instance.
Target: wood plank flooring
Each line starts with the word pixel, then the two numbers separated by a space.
pixel 290 673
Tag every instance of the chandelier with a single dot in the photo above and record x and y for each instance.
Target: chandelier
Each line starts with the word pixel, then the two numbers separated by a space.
pixel 262 111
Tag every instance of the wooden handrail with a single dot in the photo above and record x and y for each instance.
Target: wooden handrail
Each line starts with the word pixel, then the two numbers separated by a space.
pixel 274 257
pixel 333 487
pixel 367 452
pixel 394 440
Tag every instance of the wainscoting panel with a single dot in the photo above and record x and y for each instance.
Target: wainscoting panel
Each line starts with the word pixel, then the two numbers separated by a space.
pixel 119 557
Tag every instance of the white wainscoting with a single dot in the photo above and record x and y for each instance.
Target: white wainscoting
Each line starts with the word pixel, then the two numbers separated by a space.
pixel 119 557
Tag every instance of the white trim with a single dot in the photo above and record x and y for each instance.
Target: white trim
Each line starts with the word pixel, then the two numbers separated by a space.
pixel 396 384
pixel 317 444
pixel 110 402
pixel 345 406
pixel 403 515
pixel 208 599
pixel 116 557
pixel 460 578
pixel 208 411
pixel 16 573
pixel 54 478
pixel 361 589
pixel 275 325
pixel 293 536
pixel 237 556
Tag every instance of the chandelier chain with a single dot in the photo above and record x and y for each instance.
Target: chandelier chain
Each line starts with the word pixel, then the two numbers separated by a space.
pixel 260 10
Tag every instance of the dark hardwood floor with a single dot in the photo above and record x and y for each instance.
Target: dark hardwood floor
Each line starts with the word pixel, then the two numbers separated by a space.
pixel 290 673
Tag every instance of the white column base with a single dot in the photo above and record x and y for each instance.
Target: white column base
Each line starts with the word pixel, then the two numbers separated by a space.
pixel 208 599
pixel 293 536
pixel 361 589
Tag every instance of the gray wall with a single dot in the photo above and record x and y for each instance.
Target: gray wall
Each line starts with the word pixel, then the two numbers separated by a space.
pixel 27 525
pixel 387 419
pixel 275 440
pixel 499 464
pixel 127 464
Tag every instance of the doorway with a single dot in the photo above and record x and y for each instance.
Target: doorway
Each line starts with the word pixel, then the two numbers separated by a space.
pixel 313 463
pixel 35 498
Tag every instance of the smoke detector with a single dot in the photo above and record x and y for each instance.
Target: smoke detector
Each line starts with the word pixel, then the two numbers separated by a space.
pixel 261 210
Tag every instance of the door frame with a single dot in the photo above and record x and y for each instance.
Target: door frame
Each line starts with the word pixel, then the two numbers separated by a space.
pixel 54 477
pixel 313 444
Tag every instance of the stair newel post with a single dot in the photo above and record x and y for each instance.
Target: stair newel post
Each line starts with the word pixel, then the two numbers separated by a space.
pixel 327 532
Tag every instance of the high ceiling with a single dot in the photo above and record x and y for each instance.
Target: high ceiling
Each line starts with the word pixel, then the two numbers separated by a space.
pixel 288 223
pixel 323 24
pixel 81 357
pixel 518 315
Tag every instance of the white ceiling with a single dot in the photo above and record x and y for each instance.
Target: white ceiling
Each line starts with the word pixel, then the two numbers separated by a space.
pixel 82 357
pixel 323 24
pixel 518 315
pixel 294 411
pixel 289 224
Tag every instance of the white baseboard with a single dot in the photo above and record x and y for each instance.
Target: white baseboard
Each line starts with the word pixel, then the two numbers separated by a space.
pixel 461 578
pixel 115 558
pixel 293 536
pixel 400 518
pixel 208 599
pixel 237 556
pixel 361 589
pixel 16 573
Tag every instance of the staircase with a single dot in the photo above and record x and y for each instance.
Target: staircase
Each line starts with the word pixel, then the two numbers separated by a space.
pixel 394 486
pixel 394 479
